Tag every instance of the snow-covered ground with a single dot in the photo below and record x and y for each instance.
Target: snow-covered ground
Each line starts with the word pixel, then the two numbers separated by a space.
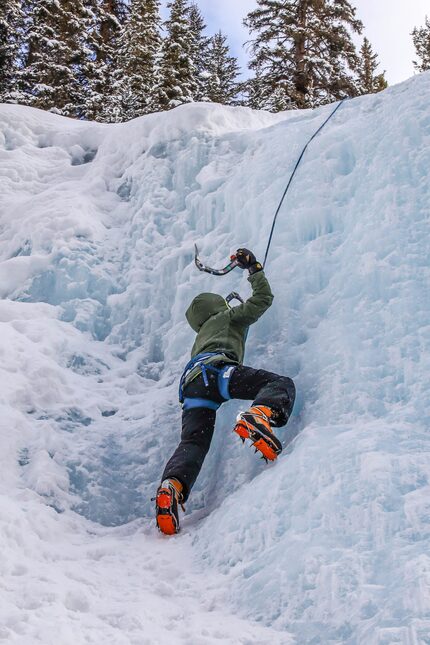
pixel 97 227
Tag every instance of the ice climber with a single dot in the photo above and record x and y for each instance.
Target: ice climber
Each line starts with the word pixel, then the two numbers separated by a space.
pixel 216 374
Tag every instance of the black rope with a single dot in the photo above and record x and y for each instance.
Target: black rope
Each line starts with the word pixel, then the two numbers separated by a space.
pixel 292 176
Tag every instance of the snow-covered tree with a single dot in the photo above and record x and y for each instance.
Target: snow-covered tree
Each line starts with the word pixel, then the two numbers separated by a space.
pixel 108 18
pixel 199 52
pixel 54 55
pixel 254 90
pixel 304 50
pixel 178 73
pixel 223 71
pixel 421 40
pixel 111 15
pixel 11 35
pixel 136 76
pixel 368 81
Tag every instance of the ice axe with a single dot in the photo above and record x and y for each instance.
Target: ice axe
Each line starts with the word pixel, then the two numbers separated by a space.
pixel 230 266
pixel 202 267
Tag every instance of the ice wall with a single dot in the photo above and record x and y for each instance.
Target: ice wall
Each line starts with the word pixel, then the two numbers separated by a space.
pixel 97 231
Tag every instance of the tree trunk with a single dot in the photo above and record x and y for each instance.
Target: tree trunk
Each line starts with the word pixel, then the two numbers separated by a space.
pixel 106 29
pixel 301 77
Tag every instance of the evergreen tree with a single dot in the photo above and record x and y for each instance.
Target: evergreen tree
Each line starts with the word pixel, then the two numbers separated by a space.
pixel 421 40
pixel 223 71
pixel 368 82
pixel 111 16
pixel 54 56
pixel 178 74
pixel 108 18
pixel 11 35
pixel 304 50
pixel 136 77
pixel 255 90
pixel 199 52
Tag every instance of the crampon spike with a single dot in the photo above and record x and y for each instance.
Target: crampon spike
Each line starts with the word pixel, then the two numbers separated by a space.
pixel 265 445
pixel 167 510
pixel 267 451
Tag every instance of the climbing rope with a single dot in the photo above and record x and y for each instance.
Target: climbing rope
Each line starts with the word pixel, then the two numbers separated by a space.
pixel 316 133
pixel 234 263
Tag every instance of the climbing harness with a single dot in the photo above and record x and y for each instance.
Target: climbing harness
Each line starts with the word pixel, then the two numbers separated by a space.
pixel 233 260
pixel 201 364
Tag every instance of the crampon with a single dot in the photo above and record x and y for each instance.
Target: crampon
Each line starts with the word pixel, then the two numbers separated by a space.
pixel 255 425
pixel 166 506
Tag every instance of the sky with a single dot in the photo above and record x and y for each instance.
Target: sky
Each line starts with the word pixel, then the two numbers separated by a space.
pixel 388 24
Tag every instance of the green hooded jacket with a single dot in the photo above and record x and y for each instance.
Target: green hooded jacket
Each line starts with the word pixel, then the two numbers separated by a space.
pixel 223 329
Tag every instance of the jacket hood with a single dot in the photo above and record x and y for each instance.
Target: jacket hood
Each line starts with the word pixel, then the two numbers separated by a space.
pixel 203 307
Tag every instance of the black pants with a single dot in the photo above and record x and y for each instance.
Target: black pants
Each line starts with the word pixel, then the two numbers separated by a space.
pixel 264 388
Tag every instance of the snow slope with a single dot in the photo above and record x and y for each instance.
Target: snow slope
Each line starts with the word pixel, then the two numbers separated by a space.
pixel 328 545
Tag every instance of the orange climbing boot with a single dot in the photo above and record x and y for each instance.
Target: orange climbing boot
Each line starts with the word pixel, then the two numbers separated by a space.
pixel 169 495
pixel 255 425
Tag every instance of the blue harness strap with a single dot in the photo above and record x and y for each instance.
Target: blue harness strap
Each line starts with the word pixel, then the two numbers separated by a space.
pixel 194 362
pixel 224 374
pixel 189 404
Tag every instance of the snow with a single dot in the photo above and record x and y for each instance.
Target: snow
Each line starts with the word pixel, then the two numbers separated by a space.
pixel 97 231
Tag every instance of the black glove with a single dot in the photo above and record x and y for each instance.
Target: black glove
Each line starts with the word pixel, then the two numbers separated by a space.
pixel 247 260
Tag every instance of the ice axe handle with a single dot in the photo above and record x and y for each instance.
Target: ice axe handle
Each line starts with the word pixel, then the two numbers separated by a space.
pixel 202 267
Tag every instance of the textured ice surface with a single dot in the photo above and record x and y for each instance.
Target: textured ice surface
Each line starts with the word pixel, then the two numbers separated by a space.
pixel 97 227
